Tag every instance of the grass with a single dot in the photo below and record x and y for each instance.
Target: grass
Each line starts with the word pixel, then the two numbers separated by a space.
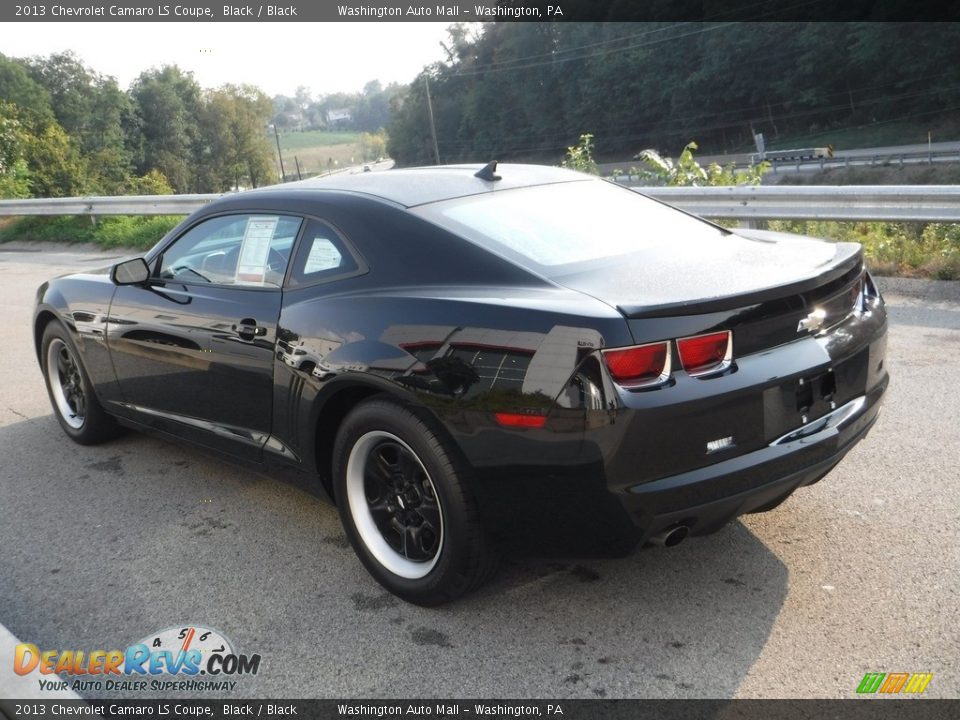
pixel 887 174
pixel 908 249
pixel 319 151
pixel 315 138
pixel 879 134
pixel 926 250
pixel 140 232
pixel 320 160
pixel 943 127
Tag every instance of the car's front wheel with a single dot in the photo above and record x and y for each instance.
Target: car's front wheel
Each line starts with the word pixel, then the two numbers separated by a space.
pixel 406 505
pixel 71 393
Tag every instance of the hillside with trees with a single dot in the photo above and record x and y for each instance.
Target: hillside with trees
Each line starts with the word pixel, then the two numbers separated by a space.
pixel 521 91
pixel 529 90
pixel 66 130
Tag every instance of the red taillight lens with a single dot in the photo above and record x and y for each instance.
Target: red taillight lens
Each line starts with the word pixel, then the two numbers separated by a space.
pixel 521 420
pixel 641 365
pixel 705 353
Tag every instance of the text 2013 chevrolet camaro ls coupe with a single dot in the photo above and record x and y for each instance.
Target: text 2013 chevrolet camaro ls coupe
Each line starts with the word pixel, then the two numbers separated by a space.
pixel 464 359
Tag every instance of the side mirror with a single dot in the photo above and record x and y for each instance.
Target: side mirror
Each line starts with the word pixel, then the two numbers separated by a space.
pixel 131 272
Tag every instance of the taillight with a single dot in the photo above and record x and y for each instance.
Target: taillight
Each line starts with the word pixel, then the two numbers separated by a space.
pixel 704 354
pixel 640 366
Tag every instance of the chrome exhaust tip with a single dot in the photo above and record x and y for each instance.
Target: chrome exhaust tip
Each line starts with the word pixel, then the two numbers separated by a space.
pixel 671 537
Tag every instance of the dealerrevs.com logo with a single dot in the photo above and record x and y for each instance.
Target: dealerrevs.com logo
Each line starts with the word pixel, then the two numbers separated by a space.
pixel 187 658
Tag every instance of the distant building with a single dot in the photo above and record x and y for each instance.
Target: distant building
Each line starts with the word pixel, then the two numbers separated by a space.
pixel 342 115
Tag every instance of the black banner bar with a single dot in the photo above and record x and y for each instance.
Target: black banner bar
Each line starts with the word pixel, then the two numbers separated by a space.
pixel 875 708
pixel 480 10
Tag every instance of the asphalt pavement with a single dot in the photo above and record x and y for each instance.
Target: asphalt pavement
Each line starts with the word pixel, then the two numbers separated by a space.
pixel 102 546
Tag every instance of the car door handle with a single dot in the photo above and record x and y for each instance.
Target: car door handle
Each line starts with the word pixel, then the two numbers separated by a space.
pixel 248 329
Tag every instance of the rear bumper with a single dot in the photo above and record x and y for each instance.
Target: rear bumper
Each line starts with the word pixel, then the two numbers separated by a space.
pixel 601 479
pixel 582 511
pixel 704 500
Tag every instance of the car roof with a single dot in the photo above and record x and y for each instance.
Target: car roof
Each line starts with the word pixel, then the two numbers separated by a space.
pixel 421 185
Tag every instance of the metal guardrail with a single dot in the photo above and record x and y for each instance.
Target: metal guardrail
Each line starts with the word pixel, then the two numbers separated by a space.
pixel 94 206
pixel 899 156
pixel 885 159
pixel 925 203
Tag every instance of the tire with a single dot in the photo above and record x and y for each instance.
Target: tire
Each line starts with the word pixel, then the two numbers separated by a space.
pixel 406 505
pixel 75 404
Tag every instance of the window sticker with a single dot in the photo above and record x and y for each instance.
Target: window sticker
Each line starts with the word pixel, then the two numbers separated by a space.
pixel 323 256
pixel 255 250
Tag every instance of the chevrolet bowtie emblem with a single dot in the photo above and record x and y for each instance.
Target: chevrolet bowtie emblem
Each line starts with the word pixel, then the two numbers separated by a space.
pixel 813 321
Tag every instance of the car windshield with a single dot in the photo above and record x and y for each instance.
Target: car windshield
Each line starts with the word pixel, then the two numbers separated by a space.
pixel 552 228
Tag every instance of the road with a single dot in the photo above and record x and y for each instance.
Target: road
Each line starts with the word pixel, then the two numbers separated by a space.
pixel 103 546
pixel 852 153
pixel 942 152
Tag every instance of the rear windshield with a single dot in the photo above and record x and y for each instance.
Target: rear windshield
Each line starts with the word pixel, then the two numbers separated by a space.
pixel 556 229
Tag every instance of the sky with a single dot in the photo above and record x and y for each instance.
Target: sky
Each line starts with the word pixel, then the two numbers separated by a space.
pixel 277 57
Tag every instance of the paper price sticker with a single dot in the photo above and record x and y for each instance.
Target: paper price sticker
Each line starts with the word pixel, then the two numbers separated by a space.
pixel 255 250
pixel 323 256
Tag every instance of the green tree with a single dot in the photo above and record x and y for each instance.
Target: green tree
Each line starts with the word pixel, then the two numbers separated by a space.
pixel 373 145
pixel 236 148
pixel 57 169
pixel 40 155
pixel 521 90
pixel 14 174
pixel 153 183
pixel 580 156
pixel 168 105
pixel 93 111
pixel 18 88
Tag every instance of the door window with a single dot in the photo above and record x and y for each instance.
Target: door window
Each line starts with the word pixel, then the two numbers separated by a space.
pixel 246 250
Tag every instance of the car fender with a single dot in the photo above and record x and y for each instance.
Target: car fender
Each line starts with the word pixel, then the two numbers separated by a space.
pixel 326 404
pixel 83 309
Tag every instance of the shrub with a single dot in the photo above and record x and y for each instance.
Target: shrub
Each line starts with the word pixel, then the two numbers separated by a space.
pixel 140 232
pixel 580 156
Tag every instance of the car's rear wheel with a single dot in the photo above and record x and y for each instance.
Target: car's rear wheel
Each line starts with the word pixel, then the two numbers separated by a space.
pixel 71 393
pixel 406 505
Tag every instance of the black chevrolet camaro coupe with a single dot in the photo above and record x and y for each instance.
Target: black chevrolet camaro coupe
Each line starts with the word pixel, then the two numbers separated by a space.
pixel 469 359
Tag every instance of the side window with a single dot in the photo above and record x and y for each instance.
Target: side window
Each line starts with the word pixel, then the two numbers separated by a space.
pixel 248 250
pixel 322 255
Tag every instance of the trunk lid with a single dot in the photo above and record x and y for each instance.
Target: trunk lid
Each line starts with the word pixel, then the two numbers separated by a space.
pixel 759 284
pixel 740 269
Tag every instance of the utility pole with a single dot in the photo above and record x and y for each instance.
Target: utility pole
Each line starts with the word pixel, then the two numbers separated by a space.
pixel 433 127
pixel 297 161
pixel 283 172
pixel 776 133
